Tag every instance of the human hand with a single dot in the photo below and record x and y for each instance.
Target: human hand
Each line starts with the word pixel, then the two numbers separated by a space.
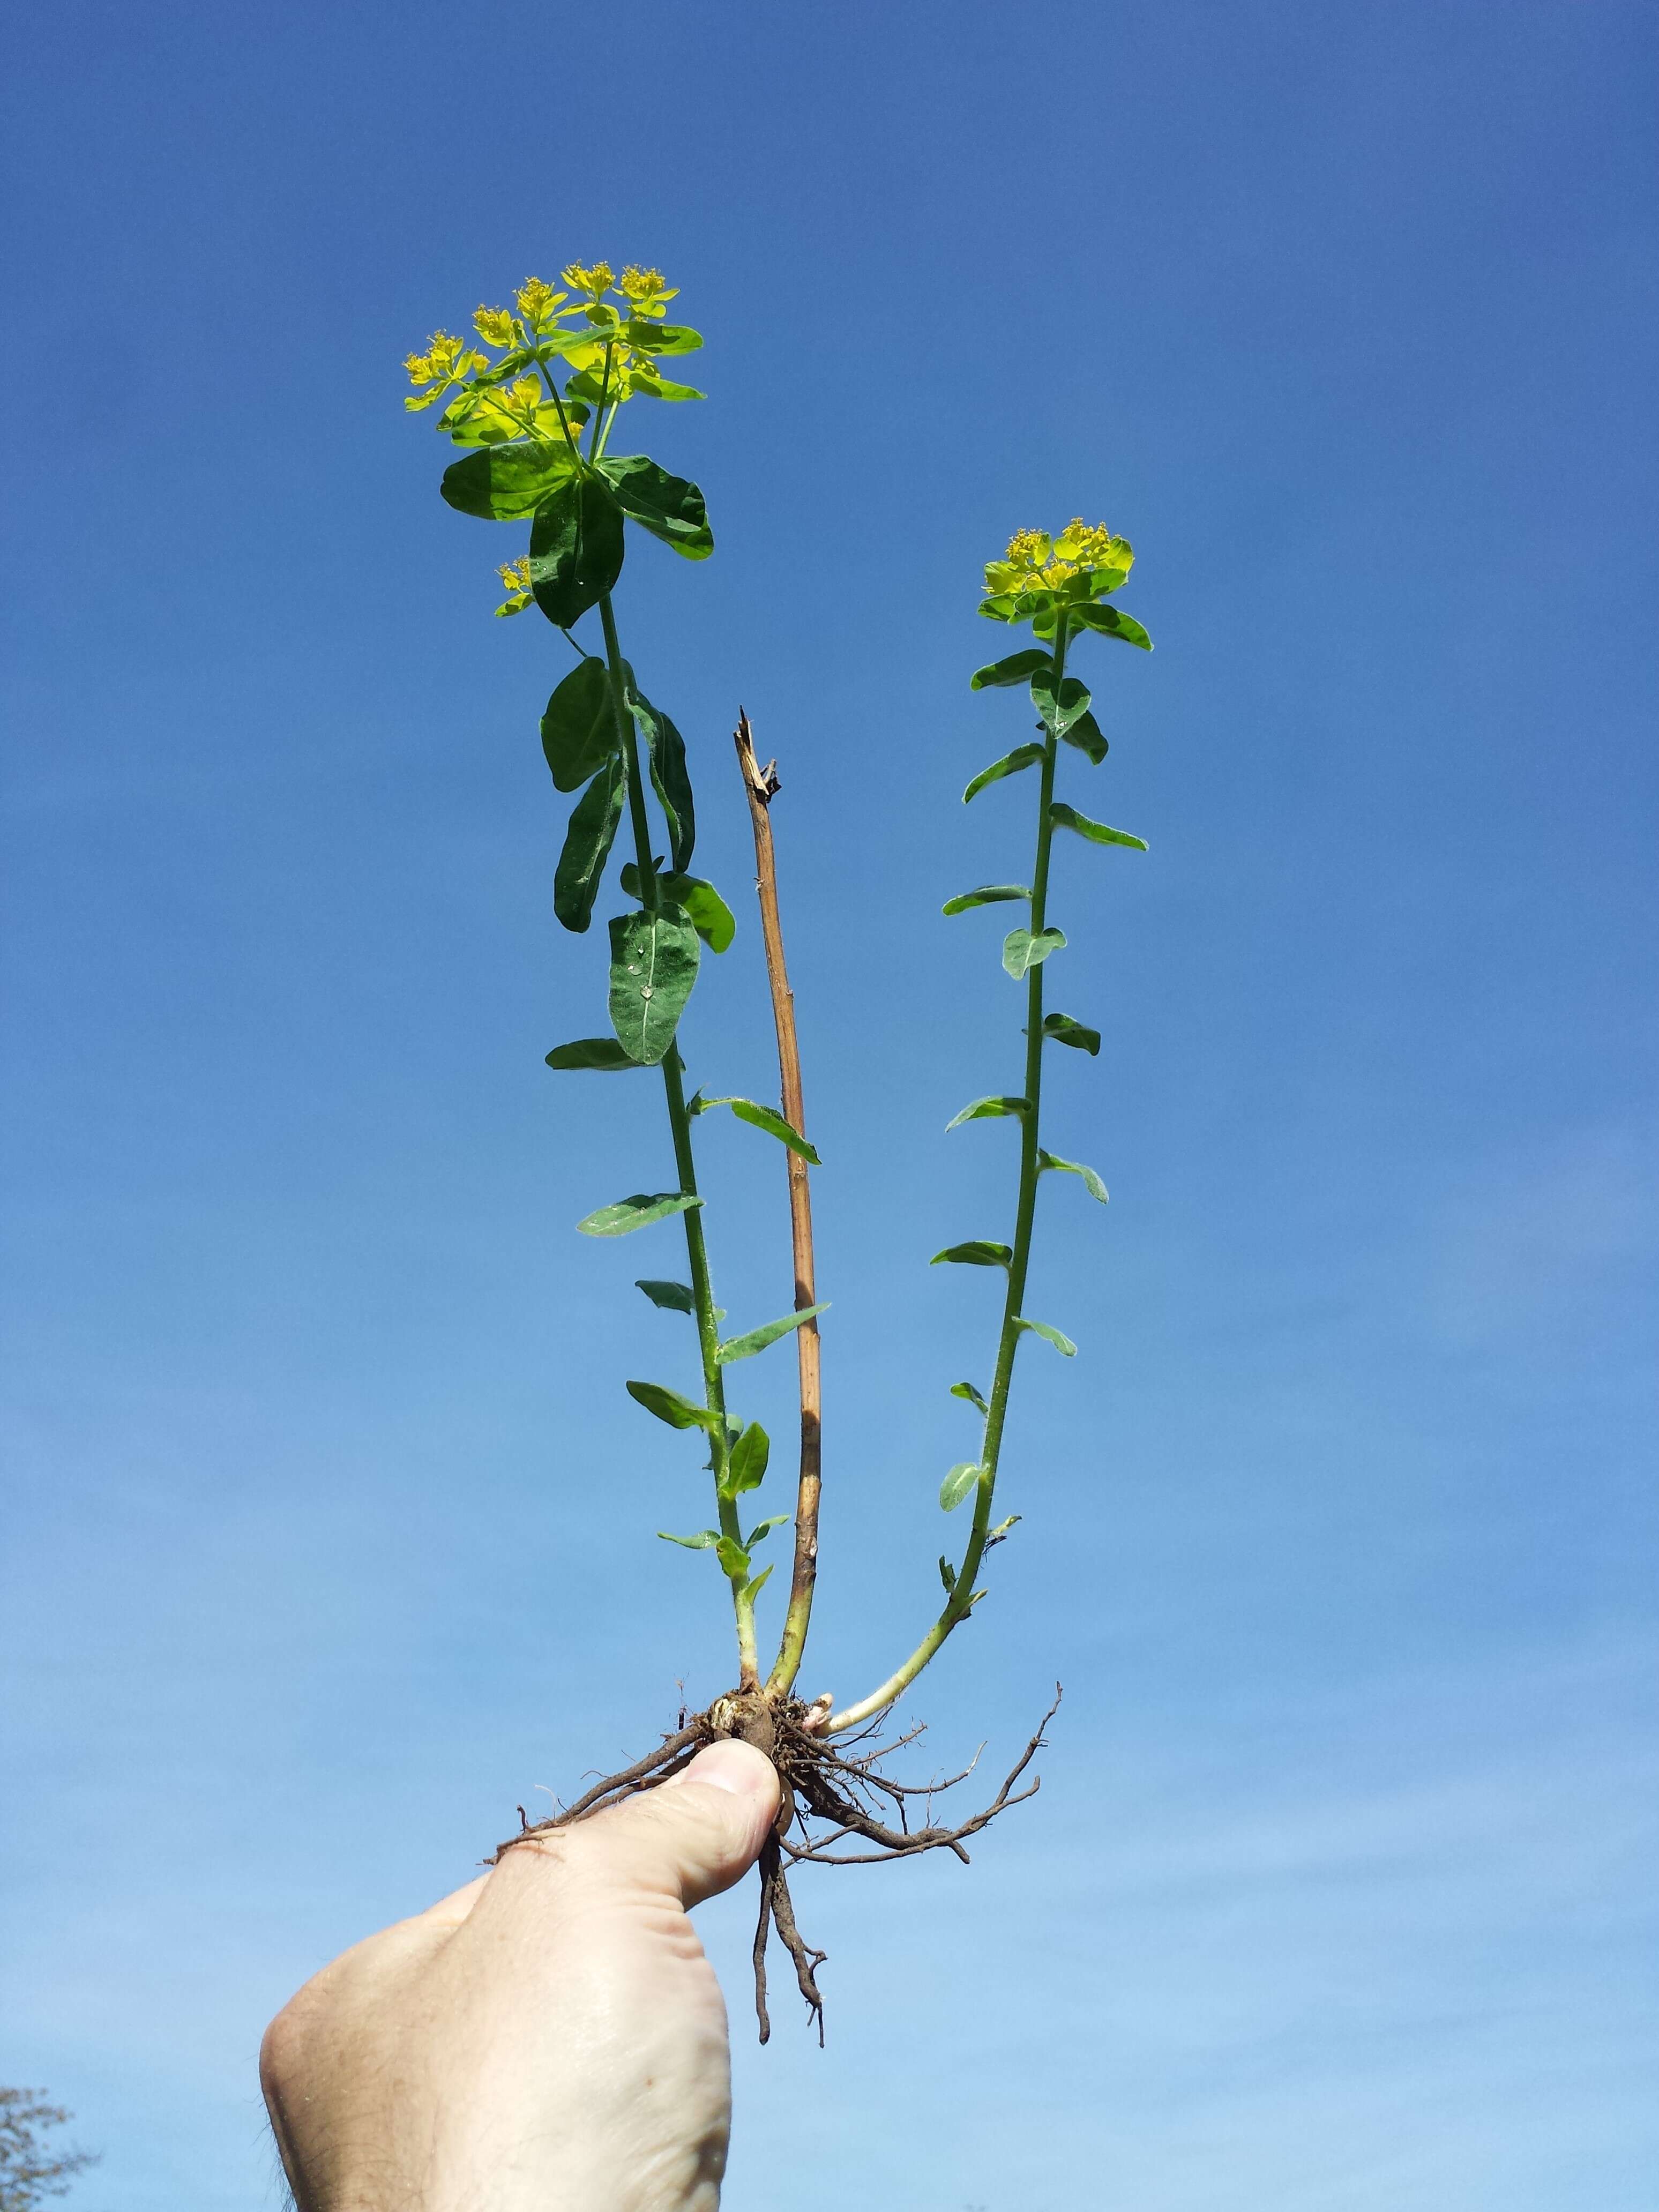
pixel 551 2035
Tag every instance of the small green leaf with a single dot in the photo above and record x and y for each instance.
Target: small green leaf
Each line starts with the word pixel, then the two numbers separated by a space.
pixel 745 1466
pixel 1023 756
pixel 977 1254
pixel 592 1052
pixel 669 778
pixel 752 1590
pixel 638 1212
pixel 504 484
pixel 1067 817
pixel 1087 734
pixel 947 1574
pixel 1014 669
pixel 587 842
pixel 987 1110
pixel 763 1529
pixel 705 910
pixel 704 1540
pixel 1060 708
pixel 673 1297
pixel 1049 1336
pixel 957 1483
pixel 575 549
pixel 653 964
pixel 668 1405
pixel 668 506
pixel 767 1118
pixel 1092 1181
pixel 732 1557
pixel 1111 622
pixel 756 1339
pixel 1022 951
pixel 986 894
pixel 579 730
pixel 966 1390
pixel 1060 1028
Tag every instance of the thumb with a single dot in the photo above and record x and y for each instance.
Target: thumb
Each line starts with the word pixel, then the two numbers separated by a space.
pixel 698 1834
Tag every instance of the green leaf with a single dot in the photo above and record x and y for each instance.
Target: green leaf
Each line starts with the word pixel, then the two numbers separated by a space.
pixel 759 1534
pixel 1111 622
pixel 947 1574
pixel 745 1466
pixel 1014 669
pixel 1059 709
pixel 1049 1336
pixel 653 964
pixel 575 549
pixel 956 1485
pixel 732 1557
pixel 705 910
pixel 1021 950
pixel 1023 756
pixel 668 506
pixel 635 1213
pixel 674 1297
pixel 976 1254
pixel 756 1339
pixel 1062 1029
pixel 669 778
pixel 966 1390
pixel 579 730
pixel 592 1052
pixel 1087 734
pixel 1092 1181
pixel 704 1540
pixel 661 338
pixel 986 894
pixel 767 1118
pixel 668 1405
pixel 587 843
pixel 987 1110
pixel 504 484
pixel 752 1590
pixel 1067 817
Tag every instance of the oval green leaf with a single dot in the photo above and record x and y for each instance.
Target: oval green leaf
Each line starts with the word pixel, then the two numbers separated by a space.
pixel 587 843
pixel 654 965
pixel 669 777
pixel 1087 734
pixel 1060 708
pixel 505 483
pixel 986 894
pixel 668 1405
pixel 732 1557
pixel 1067 817
pixel 635 1213
pixel 956 1485
pixel 986 1110
pixel 1112 622
pixel 602 1053
pixel 1023 756
pixel 767 1118
pixel 1092 1181
pixel 673 1297
pixel 668 506
pixel 704 1540
pixel 979 1252
pixel 745 1466
pixel 704 908
pixel 756 1339
pixel 579 730
pixel 1060 1028
pixel 1049 1336
pixel 1021 950
pixel 966 1390
pixel 575 549
pixel 1014 669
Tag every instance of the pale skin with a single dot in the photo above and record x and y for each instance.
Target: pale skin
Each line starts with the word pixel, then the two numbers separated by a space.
pixel 551 2035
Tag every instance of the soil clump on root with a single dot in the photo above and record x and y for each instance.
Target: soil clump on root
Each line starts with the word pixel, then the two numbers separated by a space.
pixel 833 1795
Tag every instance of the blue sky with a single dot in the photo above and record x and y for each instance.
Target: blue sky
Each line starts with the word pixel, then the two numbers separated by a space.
pixel 329 1527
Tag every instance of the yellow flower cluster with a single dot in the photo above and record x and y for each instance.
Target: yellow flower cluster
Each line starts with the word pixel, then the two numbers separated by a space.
pixel 515 574
pixel 595 281
pixel 645 291
pixel 1035 562
pixel 446 357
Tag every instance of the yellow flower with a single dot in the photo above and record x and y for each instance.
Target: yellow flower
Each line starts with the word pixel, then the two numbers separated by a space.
pixel 537 300
pixel 494 325
pixel 442 357
pixel 595 281
pixel 515 574
pixel 645 291
pixel 1037 563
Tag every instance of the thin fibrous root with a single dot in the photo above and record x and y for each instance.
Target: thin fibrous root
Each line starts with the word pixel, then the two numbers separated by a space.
pixel 820 1785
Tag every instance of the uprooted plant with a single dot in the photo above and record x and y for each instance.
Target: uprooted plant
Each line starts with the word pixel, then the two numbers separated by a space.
pixel 534 401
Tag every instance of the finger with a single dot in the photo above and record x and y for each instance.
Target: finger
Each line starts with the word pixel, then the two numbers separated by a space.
pixel 698 1834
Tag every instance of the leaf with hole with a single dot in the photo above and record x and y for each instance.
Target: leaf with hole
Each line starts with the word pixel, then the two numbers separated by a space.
pixel 704 908
pixel 604 1053
pixel 1022 948
pixel 745 1466
pixel 673 1297
pixel 653 964
pixel 668 1405
pixel 966 1390
pixel 767 1118
pixel 1092 1181
pixel 639 1212
pixel 957 1483
pixel 1023 756
pixel 579 730
pixel 1067 817
pixel 1112 622
pixel 1049 1336
pixel 1060 1028
pixel 986 1110
pixel 756 1339
pixel 668 506
pixel 587 842
pixel 704 1540
pixel 1014 669
pixel 1060 708
pixel 505 483
pixel 986 894
pixel 1087 734
pixel 575 550
pixel 977 1252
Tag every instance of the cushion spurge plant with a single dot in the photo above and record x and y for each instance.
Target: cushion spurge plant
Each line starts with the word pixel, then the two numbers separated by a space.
pixel 533 400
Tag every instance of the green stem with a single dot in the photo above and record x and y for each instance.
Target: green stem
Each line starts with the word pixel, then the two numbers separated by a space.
pixel 960 1602
pixel 679 1122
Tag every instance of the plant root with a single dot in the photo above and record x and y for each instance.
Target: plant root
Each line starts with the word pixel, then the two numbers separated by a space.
pixel 832 1794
